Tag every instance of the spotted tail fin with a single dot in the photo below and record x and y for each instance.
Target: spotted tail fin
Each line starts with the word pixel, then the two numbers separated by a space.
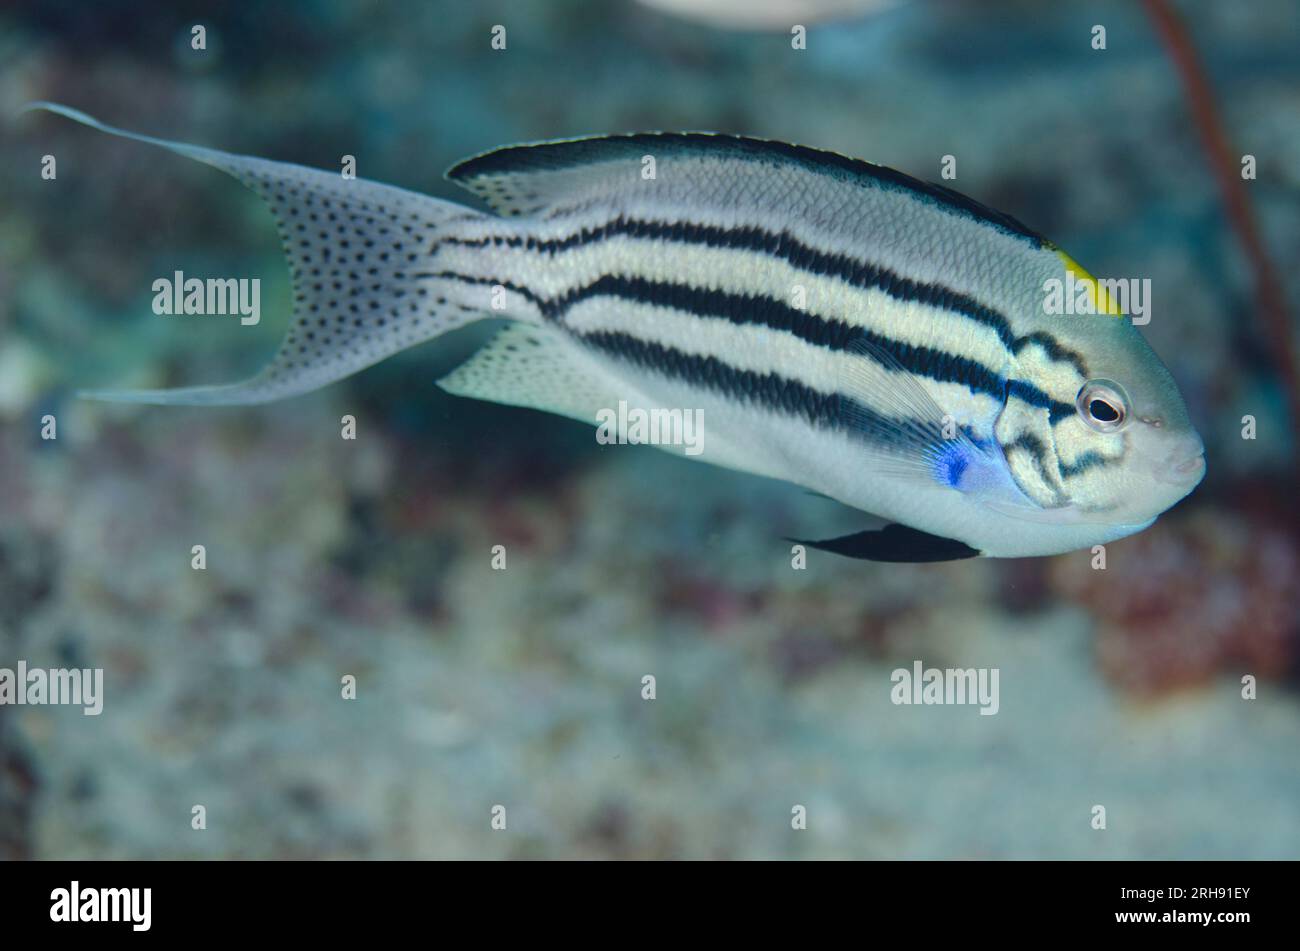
pixel 359 254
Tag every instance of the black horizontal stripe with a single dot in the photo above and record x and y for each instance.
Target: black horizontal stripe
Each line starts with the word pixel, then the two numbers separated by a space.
pixel 781 245
pixel 1056 409
pixel 784 246
pixel 771 391
pixel 937 365
pixel 743 310
pixel 519 289
pixel 746 310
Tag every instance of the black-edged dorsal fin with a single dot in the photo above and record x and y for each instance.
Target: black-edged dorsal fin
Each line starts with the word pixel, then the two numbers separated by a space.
pixel 528 178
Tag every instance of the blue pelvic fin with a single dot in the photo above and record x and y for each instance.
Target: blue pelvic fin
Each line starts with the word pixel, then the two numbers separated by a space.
pixel 906 431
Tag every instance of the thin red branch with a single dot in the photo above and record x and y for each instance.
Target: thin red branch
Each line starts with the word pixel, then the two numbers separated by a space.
pixel 1270 300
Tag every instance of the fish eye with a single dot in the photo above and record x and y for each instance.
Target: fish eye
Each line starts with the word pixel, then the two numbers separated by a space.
pixel 1103 406
pixel 1102 411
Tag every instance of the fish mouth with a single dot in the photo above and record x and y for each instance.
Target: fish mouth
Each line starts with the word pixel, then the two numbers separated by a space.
pixel 1188 472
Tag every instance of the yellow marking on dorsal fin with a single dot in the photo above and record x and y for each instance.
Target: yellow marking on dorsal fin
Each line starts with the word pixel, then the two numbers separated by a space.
pixel 1101 300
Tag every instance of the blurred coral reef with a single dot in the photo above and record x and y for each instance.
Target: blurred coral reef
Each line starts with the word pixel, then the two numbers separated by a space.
pixel 1214 595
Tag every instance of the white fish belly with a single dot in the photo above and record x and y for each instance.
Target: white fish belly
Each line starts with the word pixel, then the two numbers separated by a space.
pixel 753 439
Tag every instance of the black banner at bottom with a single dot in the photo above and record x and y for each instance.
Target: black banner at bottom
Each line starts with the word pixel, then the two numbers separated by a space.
pixel 335 900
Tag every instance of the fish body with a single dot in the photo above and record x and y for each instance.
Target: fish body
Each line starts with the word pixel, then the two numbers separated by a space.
pixel 841 326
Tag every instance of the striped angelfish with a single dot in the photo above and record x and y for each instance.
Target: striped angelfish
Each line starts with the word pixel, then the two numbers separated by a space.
pixel 841 326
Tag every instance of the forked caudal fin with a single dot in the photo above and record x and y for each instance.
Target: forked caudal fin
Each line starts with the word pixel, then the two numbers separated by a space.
pixel 357 252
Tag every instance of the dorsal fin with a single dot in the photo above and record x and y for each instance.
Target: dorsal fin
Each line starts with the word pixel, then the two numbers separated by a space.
pixel 526 179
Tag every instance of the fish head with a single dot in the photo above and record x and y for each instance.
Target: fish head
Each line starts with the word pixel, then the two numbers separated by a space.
pixel 1128 451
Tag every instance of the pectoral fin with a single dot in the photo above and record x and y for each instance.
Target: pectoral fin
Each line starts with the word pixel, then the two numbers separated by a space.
pixel 896 543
